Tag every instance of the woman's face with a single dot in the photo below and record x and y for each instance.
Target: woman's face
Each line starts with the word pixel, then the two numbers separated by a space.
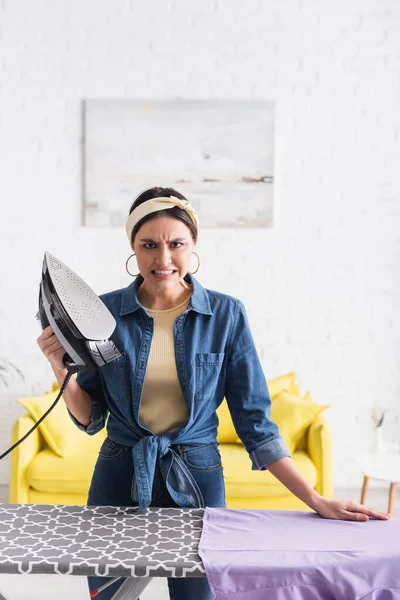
pixel 163 248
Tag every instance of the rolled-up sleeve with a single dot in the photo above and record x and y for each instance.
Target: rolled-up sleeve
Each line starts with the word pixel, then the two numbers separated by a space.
pixel 248 398
pixel 91 383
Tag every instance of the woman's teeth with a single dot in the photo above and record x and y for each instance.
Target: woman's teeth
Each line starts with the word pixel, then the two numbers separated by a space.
pixel 163 272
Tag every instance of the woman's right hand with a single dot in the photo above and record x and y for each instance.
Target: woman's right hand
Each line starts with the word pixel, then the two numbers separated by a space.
pixel 52 349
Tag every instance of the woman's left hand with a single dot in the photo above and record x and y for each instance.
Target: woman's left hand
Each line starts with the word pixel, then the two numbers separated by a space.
pixel 348 511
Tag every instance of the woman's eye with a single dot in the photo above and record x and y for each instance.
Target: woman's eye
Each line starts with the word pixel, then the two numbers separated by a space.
pixel 151 245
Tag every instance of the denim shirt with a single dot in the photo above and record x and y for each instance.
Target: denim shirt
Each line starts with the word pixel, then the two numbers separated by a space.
pixel 215 358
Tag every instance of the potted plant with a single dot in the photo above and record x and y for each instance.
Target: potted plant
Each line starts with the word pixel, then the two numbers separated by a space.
pixel 7 369
pixel 377 416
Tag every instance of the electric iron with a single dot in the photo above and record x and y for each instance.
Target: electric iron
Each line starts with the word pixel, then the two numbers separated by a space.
pixel 80 320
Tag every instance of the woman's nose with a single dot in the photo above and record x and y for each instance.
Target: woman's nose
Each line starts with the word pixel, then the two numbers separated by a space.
pixel 164 256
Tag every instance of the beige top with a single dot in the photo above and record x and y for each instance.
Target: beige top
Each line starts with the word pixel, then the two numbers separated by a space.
pixel 163 407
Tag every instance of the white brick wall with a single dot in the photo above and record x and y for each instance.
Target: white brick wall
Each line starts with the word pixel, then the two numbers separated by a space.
pixel 322 288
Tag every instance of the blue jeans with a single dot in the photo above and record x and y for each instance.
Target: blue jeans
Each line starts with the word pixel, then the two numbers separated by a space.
pixel 111 486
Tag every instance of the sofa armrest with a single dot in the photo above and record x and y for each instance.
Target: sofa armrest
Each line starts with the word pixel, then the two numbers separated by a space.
pixel 319 448
pixel 21 457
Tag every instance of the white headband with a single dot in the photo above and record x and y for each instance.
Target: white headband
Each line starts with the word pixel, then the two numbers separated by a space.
pixel 156 204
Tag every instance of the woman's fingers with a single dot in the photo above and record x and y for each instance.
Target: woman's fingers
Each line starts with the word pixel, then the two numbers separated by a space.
pixel 354 516
pixel 46 333
pixel 363 513
pixel 51 348
pixel 53 345
pixel 44 345
pixel 47 339
pixel 349 511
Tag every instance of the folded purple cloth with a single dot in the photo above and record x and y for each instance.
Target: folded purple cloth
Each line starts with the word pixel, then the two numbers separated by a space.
pixel 293 555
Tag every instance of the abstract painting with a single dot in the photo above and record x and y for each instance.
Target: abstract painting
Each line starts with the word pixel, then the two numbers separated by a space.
pixel 217 153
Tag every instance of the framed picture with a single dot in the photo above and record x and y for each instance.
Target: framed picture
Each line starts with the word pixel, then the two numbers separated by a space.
pixel 217 153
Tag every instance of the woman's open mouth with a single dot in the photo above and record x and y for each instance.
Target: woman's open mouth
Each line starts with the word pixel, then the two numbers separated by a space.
pixel 163 274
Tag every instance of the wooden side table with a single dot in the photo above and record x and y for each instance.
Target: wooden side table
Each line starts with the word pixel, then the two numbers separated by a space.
pixel 384 466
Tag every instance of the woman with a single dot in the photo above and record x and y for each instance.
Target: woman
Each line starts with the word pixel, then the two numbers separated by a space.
pixel 183 349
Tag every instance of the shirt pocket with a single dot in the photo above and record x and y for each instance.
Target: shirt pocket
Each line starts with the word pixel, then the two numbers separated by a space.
pixel 114 377
pixel 208 370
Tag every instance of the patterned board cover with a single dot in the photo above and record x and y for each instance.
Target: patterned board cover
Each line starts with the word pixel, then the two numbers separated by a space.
pixel 100 540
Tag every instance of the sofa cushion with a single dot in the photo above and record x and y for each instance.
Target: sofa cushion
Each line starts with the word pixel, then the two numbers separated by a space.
pixel 226 430
pixel 283 383
pixel 51 473
pixel 58 429
pixel 294 415
pixel 35 497
pixel 242 482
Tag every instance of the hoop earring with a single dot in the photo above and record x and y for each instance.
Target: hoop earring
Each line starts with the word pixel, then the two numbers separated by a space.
pixel 126 267
pixel 198 265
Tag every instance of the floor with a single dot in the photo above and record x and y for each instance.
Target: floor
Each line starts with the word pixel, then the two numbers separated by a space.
pixel 46 587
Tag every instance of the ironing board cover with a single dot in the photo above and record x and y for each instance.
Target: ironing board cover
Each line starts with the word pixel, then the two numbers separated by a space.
pixel 293 555
pixel 104 541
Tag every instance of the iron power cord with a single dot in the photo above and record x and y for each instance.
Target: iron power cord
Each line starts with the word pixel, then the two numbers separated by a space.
pixel 62 390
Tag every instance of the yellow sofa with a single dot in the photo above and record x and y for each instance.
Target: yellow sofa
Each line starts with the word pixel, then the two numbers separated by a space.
pixel 54 464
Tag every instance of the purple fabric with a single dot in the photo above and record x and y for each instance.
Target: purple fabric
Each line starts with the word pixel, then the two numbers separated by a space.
pixel 293 555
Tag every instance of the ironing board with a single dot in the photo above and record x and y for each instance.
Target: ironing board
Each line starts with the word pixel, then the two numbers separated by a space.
pixel 292 554
pixel 101 541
